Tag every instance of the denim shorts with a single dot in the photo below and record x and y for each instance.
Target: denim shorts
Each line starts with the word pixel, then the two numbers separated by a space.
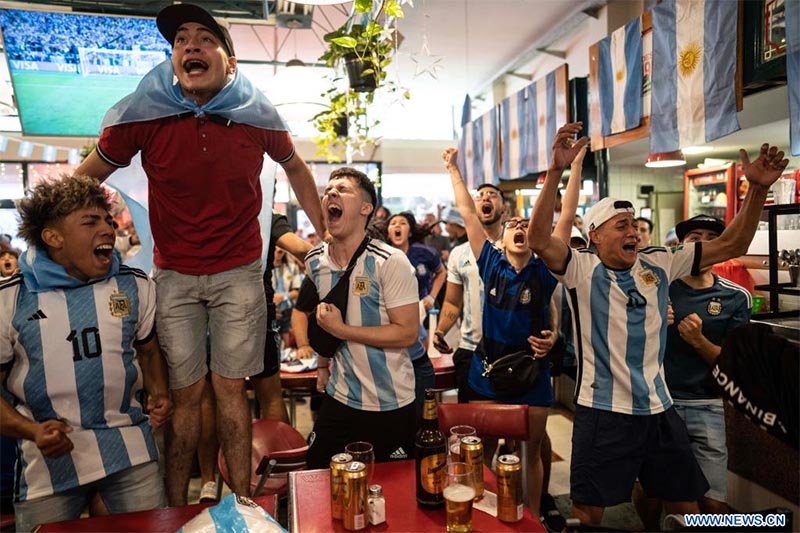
pixel 139 488
pixel 230 306
pixel 705 424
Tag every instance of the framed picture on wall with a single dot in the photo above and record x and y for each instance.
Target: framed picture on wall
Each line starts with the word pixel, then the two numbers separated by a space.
pixel 764 44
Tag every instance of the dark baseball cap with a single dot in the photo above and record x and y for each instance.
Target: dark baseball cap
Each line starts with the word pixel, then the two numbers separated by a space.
pixel 699 222
pixel 172 17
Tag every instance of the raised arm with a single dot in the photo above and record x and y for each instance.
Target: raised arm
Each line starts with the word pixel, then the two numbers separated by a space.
pixel 305 188
pixel 95 166
pixel 466 206
pixel 551 249
pixel 736 238
pixel 569 202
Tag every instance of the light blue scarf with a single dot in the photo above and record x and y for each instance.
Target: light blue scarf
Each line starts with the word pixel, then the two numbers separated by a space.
pixel 42 274
pixel 159 95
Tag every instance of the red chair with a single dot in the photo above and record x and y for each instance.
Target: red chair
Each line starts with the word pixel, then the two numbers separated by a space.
pixel 491 420
pixel 278 448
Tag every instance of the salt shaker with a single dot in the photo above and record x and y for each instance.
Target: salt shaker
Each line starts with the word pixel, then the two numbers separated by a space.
pixel 377 505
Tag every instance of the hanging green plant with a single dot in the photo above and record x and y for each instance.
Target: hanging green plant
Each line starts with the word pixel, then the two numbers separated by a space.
pixel 361 48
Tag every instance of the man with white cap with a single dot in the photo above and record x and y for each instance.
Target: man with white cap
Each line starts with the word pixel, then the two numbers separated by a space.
pixel 625 426
pixel 454 225
pixel 203 141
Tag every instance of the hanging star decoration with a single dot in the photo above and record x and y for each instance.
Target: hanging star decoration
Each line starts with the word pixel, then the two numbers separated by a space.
pixel 425 62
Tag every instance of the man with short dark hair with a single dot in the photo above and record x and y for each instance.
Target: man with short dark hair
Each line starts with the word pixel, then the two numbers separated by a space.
pixel 369 384
pixel 78 347
pixel 203 141
pixel 625 426
pixel 8 262
pixel 644 229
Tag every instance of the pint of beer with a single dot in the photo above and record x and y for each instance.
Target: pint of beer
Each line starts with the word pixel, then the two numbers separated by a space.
pixel 459 493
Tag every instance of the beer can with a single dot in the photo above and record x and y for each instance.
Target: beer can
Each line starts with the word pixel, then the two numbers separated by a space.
pixel 472 453
pixel 354 505
pixel 338 462
pixel 509 488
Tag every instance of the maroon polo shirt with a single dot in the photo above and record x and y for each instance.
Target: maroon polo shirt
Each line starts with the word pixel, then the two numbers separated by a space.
pixel 204 192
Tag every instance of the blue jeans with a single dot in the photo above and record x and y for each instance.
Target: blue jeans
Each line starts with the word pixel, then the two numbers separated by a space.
pixel 705 424
pixel 139 488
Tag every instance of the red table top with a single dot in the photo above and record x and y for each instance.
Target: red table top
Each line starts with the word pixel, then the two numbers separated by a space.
pixel 442 366
pixel 167 519
pixel 310 504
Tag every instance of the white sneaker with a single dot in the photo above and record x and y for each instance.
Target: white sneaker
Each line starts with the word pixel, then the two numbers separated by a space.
pixel 209 492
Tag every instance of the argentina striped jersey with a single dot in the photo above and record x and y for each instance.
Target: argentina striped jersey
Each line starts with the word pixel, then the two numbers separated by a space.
pixel 462 269
pixel 367 377
pixel 620 326
pixel 69 356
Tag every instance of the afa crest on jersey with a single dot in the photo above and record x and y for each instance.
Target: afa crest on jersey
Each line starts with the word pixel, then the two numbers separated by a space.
pixel 714 307
pixel 525 297
pixel 119 305
pixel 648 277
pixel 361 286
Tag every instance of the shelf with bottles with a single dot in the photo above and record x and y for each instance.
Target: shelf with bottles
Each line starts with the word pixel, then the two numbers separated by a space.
pixel 775 288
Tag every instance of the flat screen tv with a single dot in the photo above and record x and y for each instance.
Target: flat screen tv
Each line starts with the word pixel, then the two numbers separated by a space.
pixel 69 69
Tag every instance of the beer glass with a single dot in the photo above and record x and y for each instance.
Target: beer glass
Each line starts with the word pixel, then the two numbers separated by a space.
pixel 363 453
pixel 454 441
pixel 459 492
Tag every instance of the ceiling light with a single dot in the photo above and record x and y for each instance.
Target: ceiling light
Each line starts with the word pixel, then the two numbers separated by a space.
pixel 665 159
pixel 694 150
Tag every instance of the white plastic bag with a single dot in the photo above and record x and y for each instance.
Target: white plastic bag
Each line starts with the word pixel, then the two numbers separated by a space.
pixel 233 514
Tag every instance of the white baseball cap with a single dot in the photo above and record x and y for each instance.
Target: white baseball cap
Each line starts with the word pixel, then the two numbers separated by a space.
pixel 606 209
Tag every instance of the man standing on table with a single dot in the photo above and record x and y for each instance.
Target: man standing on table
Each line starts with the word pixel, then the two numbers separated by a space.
pixel 77 344
pixel 369 385
pixel 202 142
pixel 625 426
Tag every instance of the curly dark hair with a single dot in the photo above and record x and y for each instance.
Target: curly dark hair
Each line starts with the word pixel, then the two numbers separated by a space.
pixel 54 199
pixel 417 233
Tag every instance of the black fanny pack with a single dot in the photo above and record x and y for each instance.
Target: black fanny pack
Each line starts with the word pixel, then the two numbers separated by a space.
pixel 515 373
pixel 323 342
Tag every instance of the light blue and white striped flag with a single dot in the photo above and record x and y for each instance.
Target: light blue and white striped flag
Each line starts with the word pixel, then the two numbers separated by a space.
pixel 25 149
pixel 793 72
pixel 694 73
pixel 74 156
pixel 620 78
pixel 527 127
pixel 478 150
pixel 3 143
pixel 543 126
pixel 49 153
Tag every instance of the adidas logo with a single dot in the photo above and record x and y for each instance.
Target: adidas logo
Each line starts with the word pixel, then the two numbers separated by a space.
pixel 38 315
pixel 399 453
pixel 493 292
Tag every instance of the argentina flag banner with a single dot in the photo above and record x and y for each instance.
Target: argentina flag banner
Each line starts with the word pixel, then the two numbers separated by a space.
pixel 478 150
pixel 515 129
pixel 543 124
pixel 693 99
pixel 793 72
pixel 620 78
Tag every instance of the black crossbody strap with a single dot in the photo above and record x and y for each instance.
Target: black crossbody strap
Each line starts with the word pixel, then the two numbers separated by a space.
pixel 352 264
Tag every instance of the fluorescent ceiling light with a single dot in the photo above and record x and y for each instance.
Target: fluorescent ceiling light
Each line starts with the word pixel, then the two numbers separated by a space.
pixel 665 159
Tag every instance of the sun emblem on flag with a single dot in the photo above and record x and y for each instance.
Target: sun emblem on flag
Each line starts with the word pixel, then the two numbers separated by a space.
pixel 620 75
pixel 689 59
pixel 541 120
pixel 514 133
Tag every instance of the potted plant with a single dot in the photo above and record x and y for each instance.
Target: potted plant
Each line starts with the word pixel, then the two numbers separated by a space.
pixel 364 43
pixel 361 48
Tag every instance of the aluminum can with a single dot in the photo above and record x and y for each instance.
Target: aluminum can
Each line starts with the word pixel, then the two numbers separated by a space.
pixel 472 453
pixel 338 462
pixel 509 488
pixel 354 505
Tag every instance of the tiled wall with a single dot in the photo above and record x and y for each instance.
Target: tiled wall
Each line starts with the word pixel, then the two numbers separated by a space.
pixel 624 182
